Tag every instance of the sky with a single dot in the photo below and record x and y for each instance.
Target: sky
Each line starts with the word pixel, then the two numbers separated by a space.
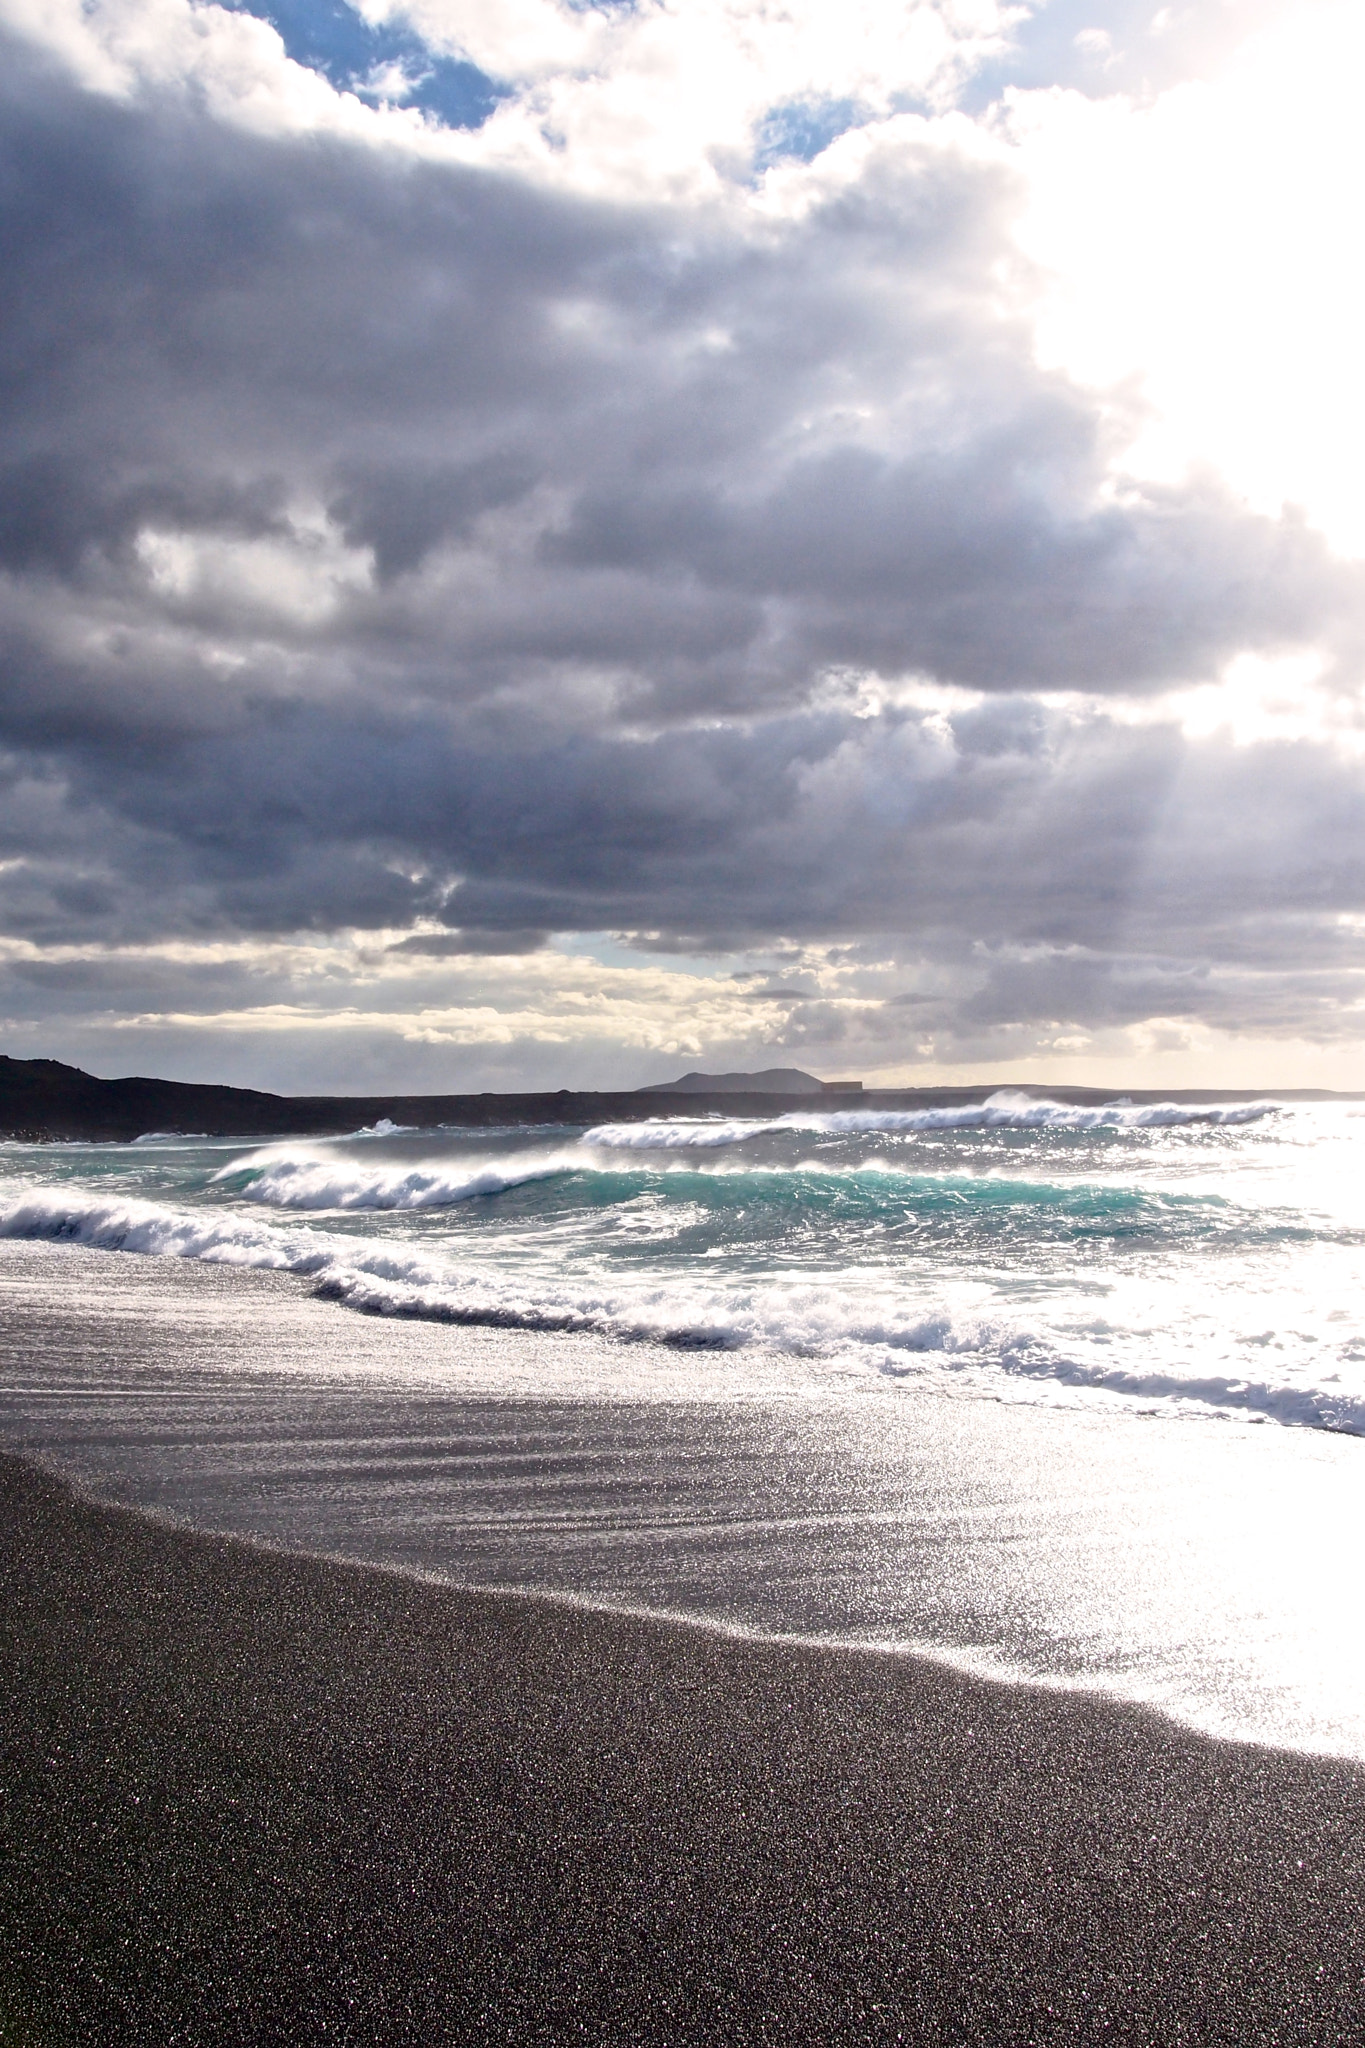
pixel 549 544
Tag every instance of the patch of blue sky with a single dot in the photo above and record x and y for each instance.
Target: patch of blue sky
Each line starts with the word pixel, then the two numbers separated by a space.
pixel 798 130
pixel 1126 46
pixel 384 61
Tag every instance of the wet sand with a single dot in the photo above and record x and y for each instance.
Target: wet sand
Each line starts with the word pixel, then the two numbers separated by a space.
pixel 260 1798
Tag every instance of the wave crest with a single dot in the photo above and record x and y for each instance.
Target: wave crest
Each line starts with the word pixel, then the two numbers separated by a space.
pixel 316 1180
pixel 1007 1110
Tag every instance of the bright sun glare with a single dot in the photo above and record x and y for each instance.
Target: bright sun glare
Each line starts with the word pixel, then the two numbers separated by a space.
pixel 1207 248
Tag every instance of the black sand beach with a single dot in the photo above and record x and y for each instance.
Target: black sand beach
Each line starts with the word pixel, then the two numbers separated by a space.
pixel 258 1798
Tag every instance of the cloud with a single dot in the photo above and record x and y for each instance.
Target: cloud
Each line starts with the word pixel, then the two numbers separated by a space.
pixel 408 552
pixel 444 945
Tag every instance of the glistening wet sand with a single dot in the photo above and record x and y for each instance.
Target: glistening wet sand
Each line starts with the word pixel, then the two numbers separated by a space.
pixel 1208 1568
pixel 251 1797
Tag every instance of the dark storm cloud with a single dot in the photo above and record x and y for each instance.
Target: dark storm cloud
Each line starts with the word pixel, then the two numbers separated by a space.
pixel 386 540
pixel 202 323
pixel 449 945
pixel 1053 833
pixel 55 510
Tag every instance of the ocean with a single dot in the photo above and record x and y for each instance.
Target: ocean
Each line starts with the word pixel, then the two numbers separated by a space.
pixel 1065 1395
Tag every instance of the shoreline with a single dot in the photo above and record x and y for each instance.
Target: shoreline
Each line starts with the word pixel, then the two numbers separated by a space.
pixel 1031 1544
pixel 259 1795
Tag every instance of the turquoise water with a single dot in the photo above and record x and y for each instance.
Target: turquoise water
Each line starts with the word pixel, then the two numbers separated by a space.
pixel 1192 1261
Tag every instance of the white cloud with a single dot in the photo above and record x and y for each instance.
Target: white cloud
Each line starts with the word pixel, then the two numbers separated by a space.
pixel 295 579
pixel 668 93
pixel 664 96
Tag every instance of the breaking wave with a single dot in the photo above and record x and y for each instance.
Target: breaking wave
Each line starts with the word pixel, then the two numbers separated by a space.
pixel 1005 1111
pixel 861 1324
pixel 684 1134
pixel 317 1179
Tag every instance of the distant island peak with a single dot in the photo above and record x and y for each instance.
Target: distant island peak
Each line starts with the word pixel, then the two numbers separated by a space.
pixel 771 1081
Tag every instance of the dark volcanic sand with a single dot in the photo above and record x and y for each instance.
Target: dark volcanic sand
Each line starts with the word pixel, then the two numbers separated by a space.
pixel 252 1798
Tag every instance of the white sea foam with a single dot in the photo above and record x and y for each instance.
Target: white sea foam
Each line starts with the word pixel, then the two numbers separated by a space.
pixel 123 1223
pixel 1009 1110
pixel 316 1179
pixel 1006 1110
pixel 681 1134
pixel 868 1324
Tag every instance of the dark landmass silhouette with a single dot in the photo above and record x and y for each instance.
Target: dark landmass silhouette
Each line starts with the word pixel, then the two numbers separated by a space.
pixel 44 1099
pixel 772 1081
